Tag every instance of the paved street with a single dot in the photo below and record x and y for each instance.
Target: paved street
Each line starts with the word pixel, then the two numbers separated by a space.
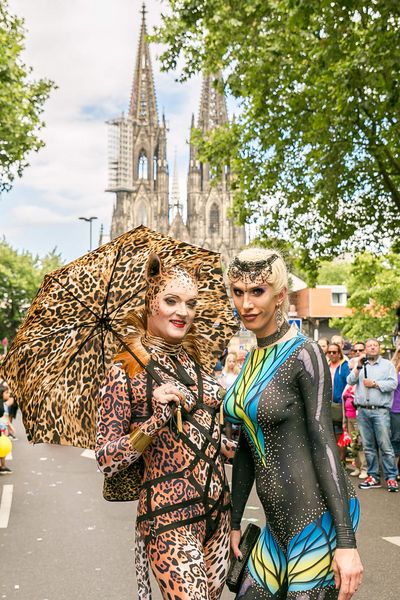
pixel 59 540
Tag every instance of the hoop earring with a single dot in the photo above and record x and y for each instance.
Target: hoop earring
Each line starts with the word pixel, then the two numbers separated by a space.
pixel 279 317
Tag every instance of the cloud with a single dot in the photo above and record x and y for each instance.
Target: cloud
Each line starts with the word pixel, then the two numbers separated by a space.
pixel 88 47
pixel 28 215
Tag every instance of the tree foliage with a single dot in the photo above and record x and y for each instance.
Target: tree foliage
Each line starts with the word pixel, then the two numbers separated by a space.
pixel 335 272
pixel 373 286
pixel 20 277
pixel 21 101
pixel 315 148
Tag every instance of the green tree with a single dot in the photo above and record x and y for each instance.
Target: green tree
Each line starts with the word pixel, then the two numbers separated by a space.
pixel 334 272
pixel 315 148
pixel 21 101
pixel 20 277
pixel 373 285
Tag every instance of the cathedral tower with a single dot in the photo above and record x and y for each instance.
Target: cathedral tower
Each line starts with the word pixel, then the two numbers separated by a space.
pixel 208 202
pixel 138 168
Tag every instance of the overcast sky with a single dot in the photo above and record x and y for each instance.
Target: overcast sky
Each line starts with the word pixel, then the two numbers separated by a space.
pixel 88 47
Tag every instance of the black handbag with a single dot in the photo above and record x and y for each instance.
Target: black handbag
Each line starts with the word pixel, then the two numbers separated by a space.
pixel 237 567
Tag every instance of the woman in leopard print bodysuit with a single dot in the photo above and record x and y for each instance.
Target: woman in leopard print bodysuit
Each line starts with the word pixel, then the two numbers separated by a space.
pixel 183 517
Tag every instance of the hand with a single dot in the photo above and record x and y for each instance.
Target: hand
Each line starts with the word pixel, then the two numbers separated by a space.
pixel 360 362
pixel 348 572
pixel 369 383
pixel 165 398
pixel 235 541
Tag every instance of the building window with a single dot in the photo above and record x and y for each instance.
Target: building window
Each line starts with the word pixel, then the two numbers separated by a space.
pixel 339 298
pixel 214 219
pixel 142 166
pixel 155 167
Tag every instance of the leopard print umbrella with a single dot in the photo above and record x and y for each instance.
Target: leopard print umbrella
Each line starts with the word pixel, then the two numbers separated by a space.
pixel 75 323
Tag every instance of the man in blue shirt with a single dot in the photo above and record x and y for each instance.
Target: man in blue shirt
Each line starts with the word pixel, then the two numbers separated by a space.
pixel 375 379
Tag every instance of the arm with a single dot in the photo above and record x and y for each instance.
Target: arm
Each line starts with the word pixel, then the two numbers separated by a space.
pixel 389 383
pixel 113 449
pixel 117 445
pixel 242 482
pixel 352 377
pixel 315 388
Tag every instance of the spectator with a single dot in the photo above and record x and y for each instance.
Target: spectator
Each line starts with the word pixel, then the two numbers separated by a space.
pixel 323 343
pixel 375 379
pixel 228 377
pixel 339 369
pixel 4 394
pixel 338 339
pixel 241 357
pixel 360 462
pixel 230 371
pixel 7 401
pixel 357 349
pixel 395 412
pixel 218 371
pixel 347 350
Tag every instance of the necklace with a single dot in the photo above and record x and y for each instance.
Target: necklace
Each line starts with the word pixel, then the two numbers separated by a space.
pixel 156 343
pixel 273 337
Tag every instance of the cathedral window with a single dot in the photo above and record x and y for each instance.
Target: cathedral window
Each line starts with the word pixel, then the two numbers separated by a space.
pixel 214 219
pixel 155 168
pixel 142 166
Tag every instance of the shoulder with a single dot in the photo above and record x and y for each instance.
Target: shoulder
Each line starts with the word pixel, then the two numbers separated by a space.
pixel 311 356
pixel 310 347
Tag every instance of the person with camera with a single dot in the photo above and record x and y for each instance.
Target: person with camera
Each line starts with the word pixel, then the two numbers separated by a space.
pixel 375 380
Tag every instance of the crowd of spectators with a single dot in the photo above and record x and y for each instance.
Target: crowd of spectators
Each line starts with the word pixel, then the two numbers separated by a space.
pixel 366 406
pixel 8 411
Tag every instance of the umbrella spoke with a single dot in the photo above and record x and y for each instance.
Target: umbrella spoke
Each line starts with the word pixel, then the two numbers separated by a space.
pixel 124 303
pixel 74 296
pixel 103 315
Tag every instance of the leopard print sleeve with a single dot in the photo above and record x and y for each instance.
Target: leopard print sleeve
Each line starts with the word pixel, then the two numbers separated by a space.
pixel 113 449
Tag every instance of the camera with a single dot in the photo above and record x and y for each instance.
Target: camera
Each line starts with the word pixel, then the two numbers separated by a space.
pixel 364 360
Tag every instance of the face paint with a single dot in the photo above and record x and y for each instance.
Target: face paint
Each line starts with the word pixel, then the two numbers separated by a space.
pixel 171 306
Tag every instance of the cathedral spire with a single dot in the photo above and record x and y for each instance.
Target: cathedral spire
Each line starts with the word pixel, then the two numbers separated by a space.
pixel 213 111
pixel 143 105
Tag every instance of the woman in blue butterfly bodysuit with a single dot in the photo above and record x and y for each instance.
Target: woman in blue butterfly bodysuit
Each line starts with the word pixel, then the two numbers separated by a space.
pixel 307 550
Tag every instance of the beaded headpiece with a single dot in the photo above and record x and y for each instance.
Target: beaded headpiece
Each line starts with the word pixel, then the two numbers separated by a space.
pixel 250 271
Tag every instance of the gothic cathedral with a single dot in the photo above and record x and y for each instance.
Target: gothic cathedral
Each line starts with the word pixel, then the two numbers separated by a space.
pixel 139 174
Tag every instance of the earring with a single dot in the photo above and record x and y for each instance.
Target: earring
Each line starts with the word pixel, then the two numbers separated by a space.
pixel 279 317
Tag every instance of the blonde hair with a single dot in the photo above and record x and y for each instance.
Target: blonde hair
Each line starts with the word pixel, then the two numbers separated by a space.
pixel 278 277
pixel 236 369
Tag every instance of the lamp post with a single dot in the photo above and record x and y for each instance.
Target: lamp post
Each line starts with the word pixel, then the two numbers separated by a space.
pixel 89 220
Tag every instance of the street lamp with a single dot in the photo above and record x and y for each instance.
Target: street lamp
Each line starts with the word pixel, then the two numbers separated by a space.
pixel 89 220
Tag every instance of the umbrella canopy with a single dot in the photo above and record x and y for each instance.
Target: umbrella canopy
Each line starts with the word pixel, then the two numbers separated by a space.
pixel 74 327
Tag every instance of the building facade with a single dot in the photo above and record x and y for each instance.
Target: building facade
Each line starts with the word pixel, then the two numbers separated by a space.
pixel 139 171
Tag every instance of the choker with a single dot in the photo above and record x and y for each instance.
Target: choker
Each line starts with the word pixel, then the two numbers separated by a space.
pixel 153 342
pixel 274 337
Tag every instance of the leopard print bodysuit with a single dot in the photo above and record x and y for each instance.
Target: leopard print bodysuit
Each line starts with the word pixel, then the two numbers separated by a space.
pixel 183 516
